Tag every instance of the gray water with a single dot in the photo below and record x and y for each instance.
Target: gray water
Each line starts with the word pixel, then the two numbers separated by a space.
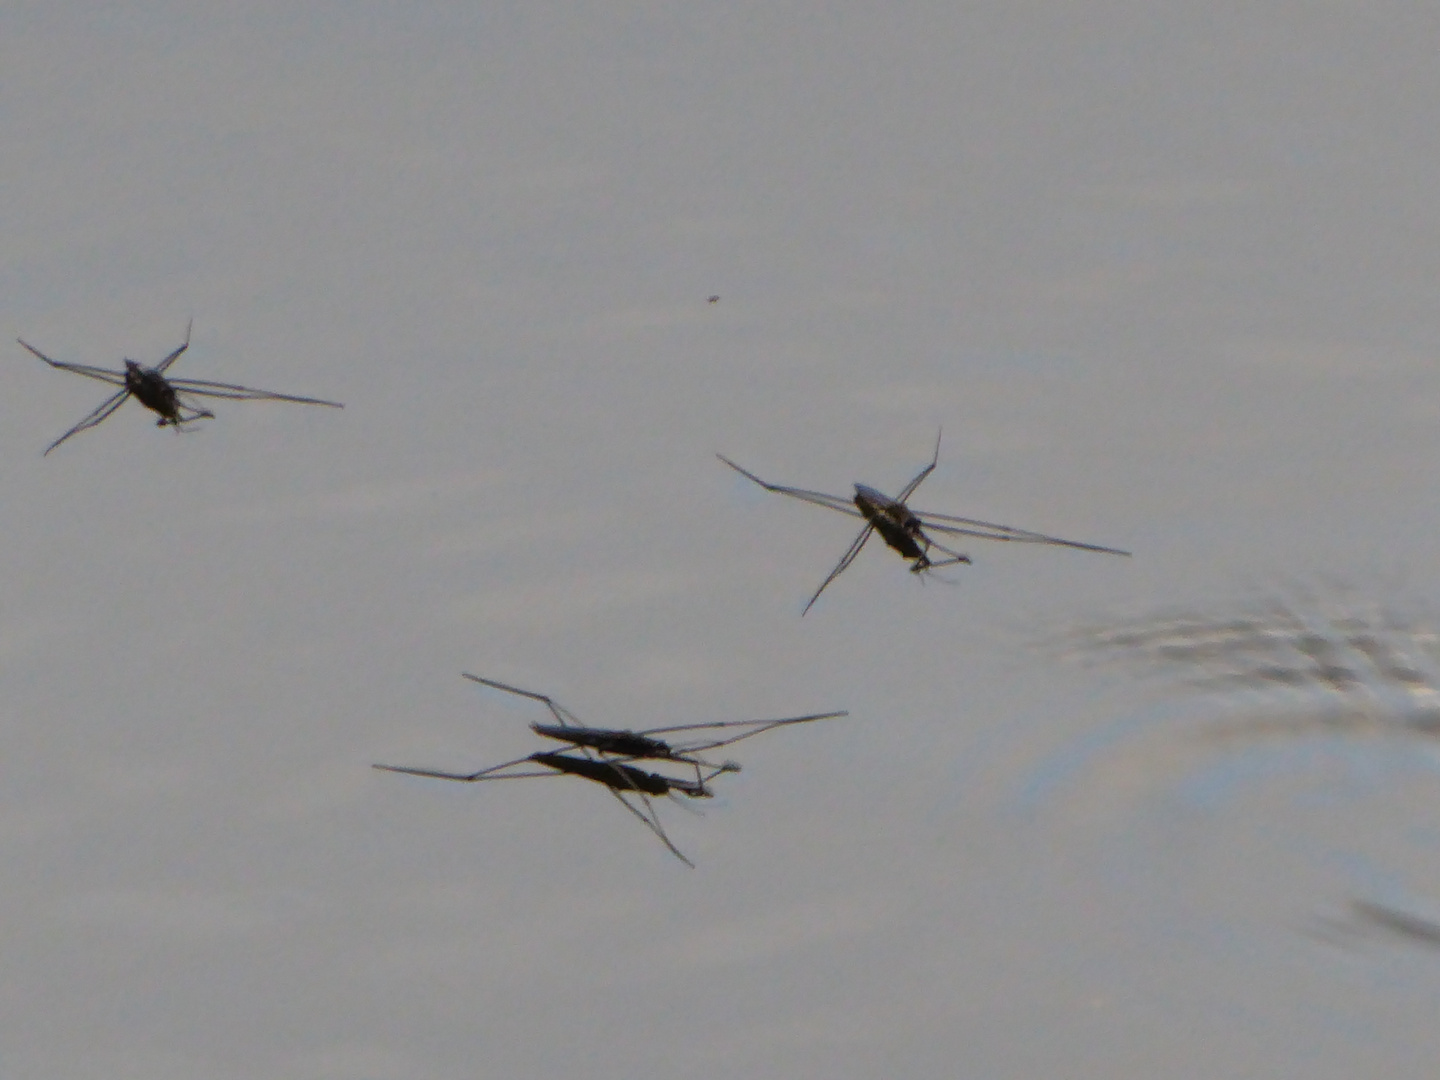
pixel 1163 275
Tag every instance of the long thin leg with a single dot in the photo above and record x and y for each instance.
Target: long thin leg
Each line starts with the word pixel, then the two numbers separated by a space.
pixel 648 817
pixel 819 498
pixel 110 405
pixel 196 413
pixel 909 489
pixel 759 725
pixel 989 530
pixel 205 388
pixel 564 715
pixel 954 556
pixel 683 804
pixel 114 378
pixel 946 562
pixel 848 558
pixel 483 774
pixel 651 822
pixel 163 364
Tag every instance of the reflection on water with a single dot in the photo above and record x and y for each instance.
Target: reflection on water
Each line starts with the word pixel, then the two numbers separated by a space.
pixel 1325 665
pixel 1270 756
pixel 1332 659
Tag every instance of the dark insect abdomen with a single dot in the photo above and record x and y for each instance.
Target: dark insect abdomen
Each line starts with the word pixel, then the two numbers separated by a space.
pixel 620 777
pixel 897 536
pixel 153 392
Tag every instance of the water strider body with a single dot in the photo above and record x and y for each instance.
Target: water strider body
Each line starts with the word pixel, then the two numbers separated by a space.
pixel 606 756
pixel 162 396
pixel 906 530
pixel 620 777
pixel 900 528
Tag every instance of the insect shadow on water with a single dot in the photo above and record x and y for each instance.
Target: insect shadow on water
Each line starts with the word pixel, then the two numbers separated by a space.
pixel 606 756
pixel 906 530
pixel 163 396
